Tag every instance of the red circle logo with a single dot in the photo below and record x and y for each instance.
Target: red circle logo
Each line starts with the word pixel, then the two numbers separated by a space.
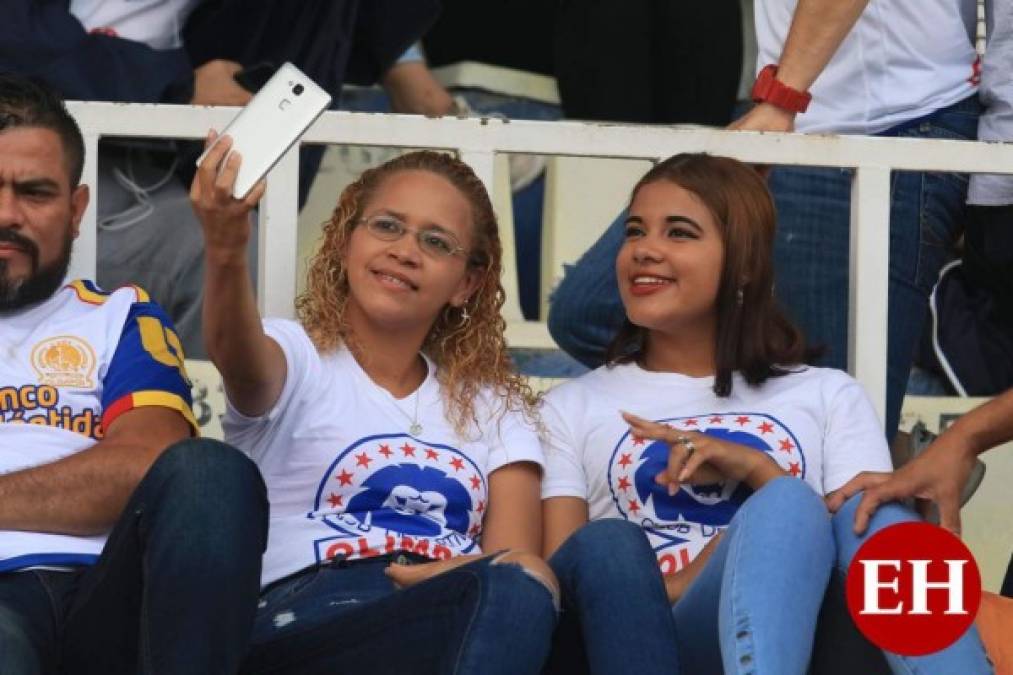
pixel 913 588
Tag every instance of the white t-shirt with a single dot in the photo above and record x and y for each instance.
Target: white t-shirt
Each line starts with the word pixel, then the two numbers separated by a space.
pixel 817 424
pixel 344 476
pixel 68 367
pixel 900 62
pixel 157 23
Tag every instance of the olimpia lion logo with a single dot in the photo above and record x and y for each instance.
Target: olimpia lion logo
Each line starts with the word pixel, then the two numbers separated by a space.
pixel 64 361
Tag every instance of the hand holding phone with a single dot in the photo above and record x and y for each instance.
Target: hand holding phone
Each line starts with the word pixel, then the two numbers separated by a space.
pixel 271 123
pixel 225 220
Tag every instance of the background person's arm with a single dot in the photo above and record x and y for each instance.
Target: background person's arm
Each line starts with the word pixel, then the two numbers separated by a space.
pixel 937 475
pixel 818 28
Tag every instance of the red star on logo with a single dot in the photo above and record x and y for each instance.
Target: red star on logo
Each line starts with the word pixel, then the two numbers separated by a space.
pixel 742 420
pixel 345 478
pixel 717 419
pixel 766 428
pixel 637 440
pixel 432 454
pixel 480 507
pixel 408 450
pixel 624 483
pixel 335 500
pixel 626 460
pixel 457 464
pixel 385 451
pixel 362 460
pixel 794 469
pixel 786 445
pixel 476 482
pixel 690 423
pixel 634 507
pixel 474 530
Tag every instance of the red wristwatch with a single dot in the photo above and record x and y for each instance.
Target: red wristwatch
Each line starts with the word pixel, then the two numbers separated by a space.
pixel 768 89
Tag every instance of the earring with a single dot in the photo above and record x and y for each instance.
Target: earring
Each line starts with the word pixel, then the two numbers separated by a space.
pixel 739 297
pixel 465 317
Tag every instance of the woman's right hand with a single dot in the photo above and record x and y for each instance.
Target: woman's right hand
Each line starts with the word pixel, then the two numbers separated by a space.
pixel 225 219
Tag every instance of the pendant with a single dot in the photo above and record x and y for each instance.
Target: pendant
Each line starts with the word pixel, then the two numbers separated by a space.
pixel 415 429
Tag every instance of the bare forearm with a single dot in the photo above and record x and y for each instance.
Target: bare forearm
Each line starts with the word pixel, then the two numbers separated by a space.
pixel 234 335
pixel 82 494
pixel 817 30
pixel 986 426
pixel 764 471
pixel 677 582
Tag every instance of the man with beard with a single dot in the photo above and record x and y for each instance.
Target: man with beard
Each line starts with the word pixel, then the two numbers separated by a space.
pixel 126 545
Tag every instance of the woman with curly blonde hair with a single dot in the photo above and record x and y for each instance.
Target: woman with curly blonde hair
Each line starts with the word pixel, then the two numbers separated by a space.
pixel 398 448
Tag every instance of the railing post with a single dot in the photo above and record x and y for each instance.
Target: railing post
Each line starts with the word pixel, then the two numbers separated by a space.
pixel 84 262
pixel 869 287
pixel 483 162
pixel 278 239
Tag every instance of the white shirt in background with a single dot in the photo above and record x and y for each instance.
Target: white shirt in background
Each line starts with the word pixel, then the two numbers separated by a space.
pixel 157 23
pixel 900 62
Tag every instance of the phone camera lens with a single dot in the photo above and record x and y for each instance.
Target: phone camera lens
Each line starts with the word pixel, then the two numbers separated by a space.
pixel 297 89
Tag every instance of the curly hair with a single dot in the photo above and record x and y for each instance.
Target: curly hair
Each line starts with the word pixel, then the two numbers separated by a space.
pixel 469 355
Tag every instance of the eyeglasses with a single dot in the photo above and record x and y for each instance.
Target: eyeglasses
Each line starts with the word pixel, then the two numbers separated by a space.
pixel 437 243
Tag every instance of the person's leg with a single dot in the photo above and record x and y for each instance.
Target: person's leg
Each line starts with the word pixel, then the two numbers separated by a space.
pixel 966 655
pixel 32 606
pixel 488 616
pixel 175 589
pixel 585 311
pixel 697 61
pixel 610 582
pixel 926 218
pixel 760 591
pixel 811 249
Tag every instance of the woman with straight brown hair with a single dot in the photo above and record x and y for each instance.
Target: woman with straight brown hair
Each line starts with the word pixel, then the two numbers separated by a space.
pixel 707 433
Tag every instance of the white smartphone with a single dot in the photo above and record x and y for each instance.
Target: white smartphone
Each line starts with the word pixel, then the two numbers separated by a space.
pixel 271 123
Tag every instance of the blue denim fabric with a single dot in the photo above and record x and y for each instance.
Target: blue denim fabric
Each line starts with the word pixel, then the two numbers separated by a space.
pixel 482 617
pixel 616 616
pixel 811 257
pixel 965 656
pixel 174 590
pixel 753 607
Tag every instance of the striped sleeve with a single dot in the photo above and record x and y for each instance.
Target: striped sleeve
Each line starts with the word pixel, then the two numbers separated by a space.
pixel 147 367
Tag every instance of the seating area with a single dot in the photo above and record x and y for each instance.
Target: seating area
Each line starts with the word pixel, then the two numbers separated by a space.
pixel 577 153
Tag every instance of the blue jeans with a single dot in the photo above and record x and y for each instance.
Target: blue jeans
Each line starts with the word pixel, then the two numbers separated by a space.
pixel 482 617
pixel 752 609
pixel 616 617
pixel 174 590
pixel 965 656
pixel 811 257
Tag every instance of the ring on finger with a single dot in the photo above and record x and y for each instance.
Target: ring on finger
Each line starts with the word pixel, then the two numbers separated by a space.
pixel 690 448
pixel 683 440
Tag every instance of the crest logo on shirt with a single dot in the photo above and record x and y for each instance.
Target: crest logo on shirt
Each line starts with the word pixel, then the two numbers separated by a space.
pixel 394 492
pixel 64 361
pixel 695 513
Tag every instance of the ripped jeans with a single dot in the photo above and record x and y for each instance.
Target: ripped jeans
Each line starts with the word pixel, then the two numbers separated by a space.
pixel 348 617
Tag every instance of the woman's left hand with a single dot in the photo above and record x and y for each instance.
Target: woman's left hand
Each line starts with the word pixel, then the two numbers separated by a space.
pixel 405 576
pixel 697 458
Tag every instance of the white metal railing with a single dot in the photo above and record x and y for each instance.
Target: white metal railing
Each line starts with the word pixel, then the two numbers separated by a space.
pixel 478 140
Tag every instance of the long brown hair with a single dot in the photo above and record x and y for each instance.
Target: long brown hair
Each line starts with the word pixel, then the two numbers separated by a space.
pixel 469 354
pixel 754 336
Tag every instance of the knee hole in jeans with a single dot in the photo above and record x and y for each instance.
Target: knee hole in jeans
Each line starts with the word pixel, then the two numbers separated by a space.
pixel 534 567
